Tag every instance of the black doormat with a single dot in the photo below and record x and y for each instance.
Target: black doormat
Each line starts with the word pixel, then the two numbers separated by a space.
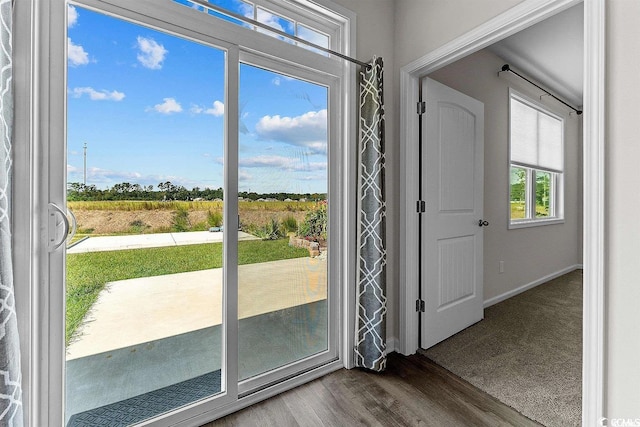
pixel 148 405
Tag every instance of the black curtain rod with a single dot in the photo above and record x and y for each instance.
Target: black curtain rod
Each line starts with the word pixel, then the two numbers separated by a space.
pixel 242 18
pixel 506 67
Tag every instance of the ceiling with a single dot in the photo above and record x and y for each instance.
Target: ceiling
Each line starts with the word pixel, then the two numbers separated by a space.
pixel 550 52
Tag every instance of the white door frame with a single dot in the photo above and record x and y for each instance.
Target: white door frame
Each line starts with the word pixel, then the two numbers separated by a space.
pixel 513 20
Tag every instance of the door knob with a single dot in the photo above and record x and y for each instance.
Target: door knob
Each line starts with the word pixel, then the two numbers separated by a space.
pixel 482 223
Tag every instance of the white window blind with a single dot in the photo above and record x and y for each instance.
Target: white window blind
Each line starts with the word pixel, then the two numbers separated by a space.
pixel 536 137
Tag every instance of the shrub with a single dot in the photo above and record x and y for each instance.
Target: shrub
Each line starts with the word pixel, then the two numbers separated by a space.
pixel 304 229
pixel 137 226
pixel 272 230
pixel 200 226
pixel 314 226
pixel 214 219
pixel 180 221
pixel 290 224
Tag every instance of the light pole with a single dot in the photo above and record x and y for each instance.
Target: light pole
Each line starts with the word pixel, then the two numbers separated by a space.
pixel 84 180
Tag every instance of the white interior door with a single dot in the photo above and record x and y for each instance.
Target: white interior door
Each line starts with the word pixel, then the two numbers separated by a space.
pixel 453 156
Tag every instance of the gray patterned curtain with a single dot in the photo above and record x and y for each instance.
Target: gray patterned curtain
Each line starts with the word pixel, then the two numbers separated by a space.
pixel 372 287
pixel 10 377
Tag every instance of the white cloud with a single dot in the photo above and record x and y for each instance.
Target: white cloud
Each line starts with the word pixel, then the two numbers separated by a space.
pixel 277 81
pixel 169 106
pixel 151 53
pixel 97 95
pixel 246 9
pixel 72 169
pixel 314 37
pixel 243 175
pixel 281 162
pixel 76 54
pixel 308 130
pixel 314 178
pixel 99 175
pixel 72 16
pixel 269 19
pixel 216 110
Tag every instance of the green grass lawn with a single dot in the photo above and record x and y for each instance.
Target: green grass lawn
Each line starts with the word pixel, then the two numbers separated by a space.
pixel 87 273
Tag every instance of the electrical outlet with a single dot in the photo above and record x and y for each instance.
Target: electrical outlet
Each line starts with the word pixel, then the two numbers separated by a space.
pixel 501 266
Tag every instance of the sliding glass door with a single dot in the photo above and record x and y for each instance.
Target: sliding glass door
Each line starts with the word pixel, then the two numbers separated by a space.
pixel 145 177
pixel 283 188
pixel 200 175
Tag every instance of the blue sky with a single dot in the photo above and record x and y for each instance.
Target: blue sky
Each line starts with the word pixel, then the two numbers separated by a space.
pixel 150 107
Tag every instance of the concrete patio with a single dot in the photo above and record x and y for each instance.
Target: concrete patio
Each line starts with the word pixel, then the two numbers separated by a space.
pixel 134 311
pixel 148 333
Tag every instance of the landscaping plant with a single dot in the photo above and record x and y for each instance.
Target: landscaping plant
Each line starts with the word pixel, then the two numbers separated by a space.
pixel 314 226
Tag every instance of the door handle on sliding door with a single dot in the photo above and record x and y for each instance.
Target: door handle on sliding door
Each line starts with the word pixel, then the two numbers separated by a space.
pixel 53 242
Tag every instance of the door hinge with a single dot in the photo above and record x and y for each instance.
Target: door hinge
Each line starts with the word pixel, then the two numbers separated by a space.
pixel 421 206
pixel 420 306
pixel 422 107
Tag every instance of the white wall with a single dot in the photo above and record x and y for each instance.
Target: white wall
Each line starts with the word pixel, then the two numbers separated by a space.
pixel 529 254
pixel 375 22
pixel 423 25
pixel 623 225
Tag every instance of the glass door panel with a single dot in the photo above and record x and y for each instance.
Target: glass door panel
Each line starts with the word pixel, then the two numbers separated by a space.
pixel 283 237
pixel 144 273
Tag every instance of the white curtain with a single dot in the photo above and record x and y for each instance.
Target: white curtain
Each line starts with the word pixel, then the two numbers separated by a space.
pixel 10 377
pixel 371 323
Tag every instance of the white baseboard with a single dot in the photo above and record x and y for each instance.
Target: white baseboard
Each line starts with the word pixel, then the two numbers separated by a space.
pixel 392 344
pixel 521 289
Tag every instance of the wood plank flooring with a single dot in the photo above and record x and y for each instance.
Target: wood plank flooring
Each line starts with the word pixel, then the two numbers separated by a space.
pixel 413 391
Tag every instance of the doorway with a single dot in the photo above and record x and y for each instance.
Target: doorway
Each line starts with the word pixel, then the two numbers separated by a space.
pixel 593 218
pixel 544 245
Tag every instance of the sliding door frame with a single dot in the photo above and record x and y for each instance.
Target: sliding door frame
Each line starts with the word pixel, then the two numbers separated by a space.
pixel 332 84
pixel 40 161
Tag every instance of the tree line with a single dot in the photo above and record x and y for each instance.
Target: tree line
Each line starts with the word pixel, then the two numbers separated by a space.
pixel 77 191
pixel 519 183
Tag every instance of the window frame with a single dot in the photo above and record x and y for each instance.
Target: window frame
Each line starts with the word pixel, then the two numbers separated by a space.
pixel 557 176
pixel 41 43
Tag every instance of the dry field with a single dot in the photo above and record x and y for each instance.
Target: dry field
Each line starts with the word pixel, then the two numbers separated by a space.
pixel 156 217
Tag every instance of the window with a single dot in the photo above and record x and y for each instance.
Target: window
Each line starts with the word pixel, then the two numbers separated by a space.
pixel 281 21
pixel 536 164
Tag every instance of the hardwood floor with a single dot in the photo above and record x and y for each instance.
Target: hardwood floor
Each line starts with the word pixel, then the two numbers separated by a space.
pixel 413 391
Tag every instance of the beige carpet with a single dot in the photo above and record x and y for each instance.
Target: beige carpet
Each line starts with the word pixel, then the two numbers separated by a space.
pixel 527 352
